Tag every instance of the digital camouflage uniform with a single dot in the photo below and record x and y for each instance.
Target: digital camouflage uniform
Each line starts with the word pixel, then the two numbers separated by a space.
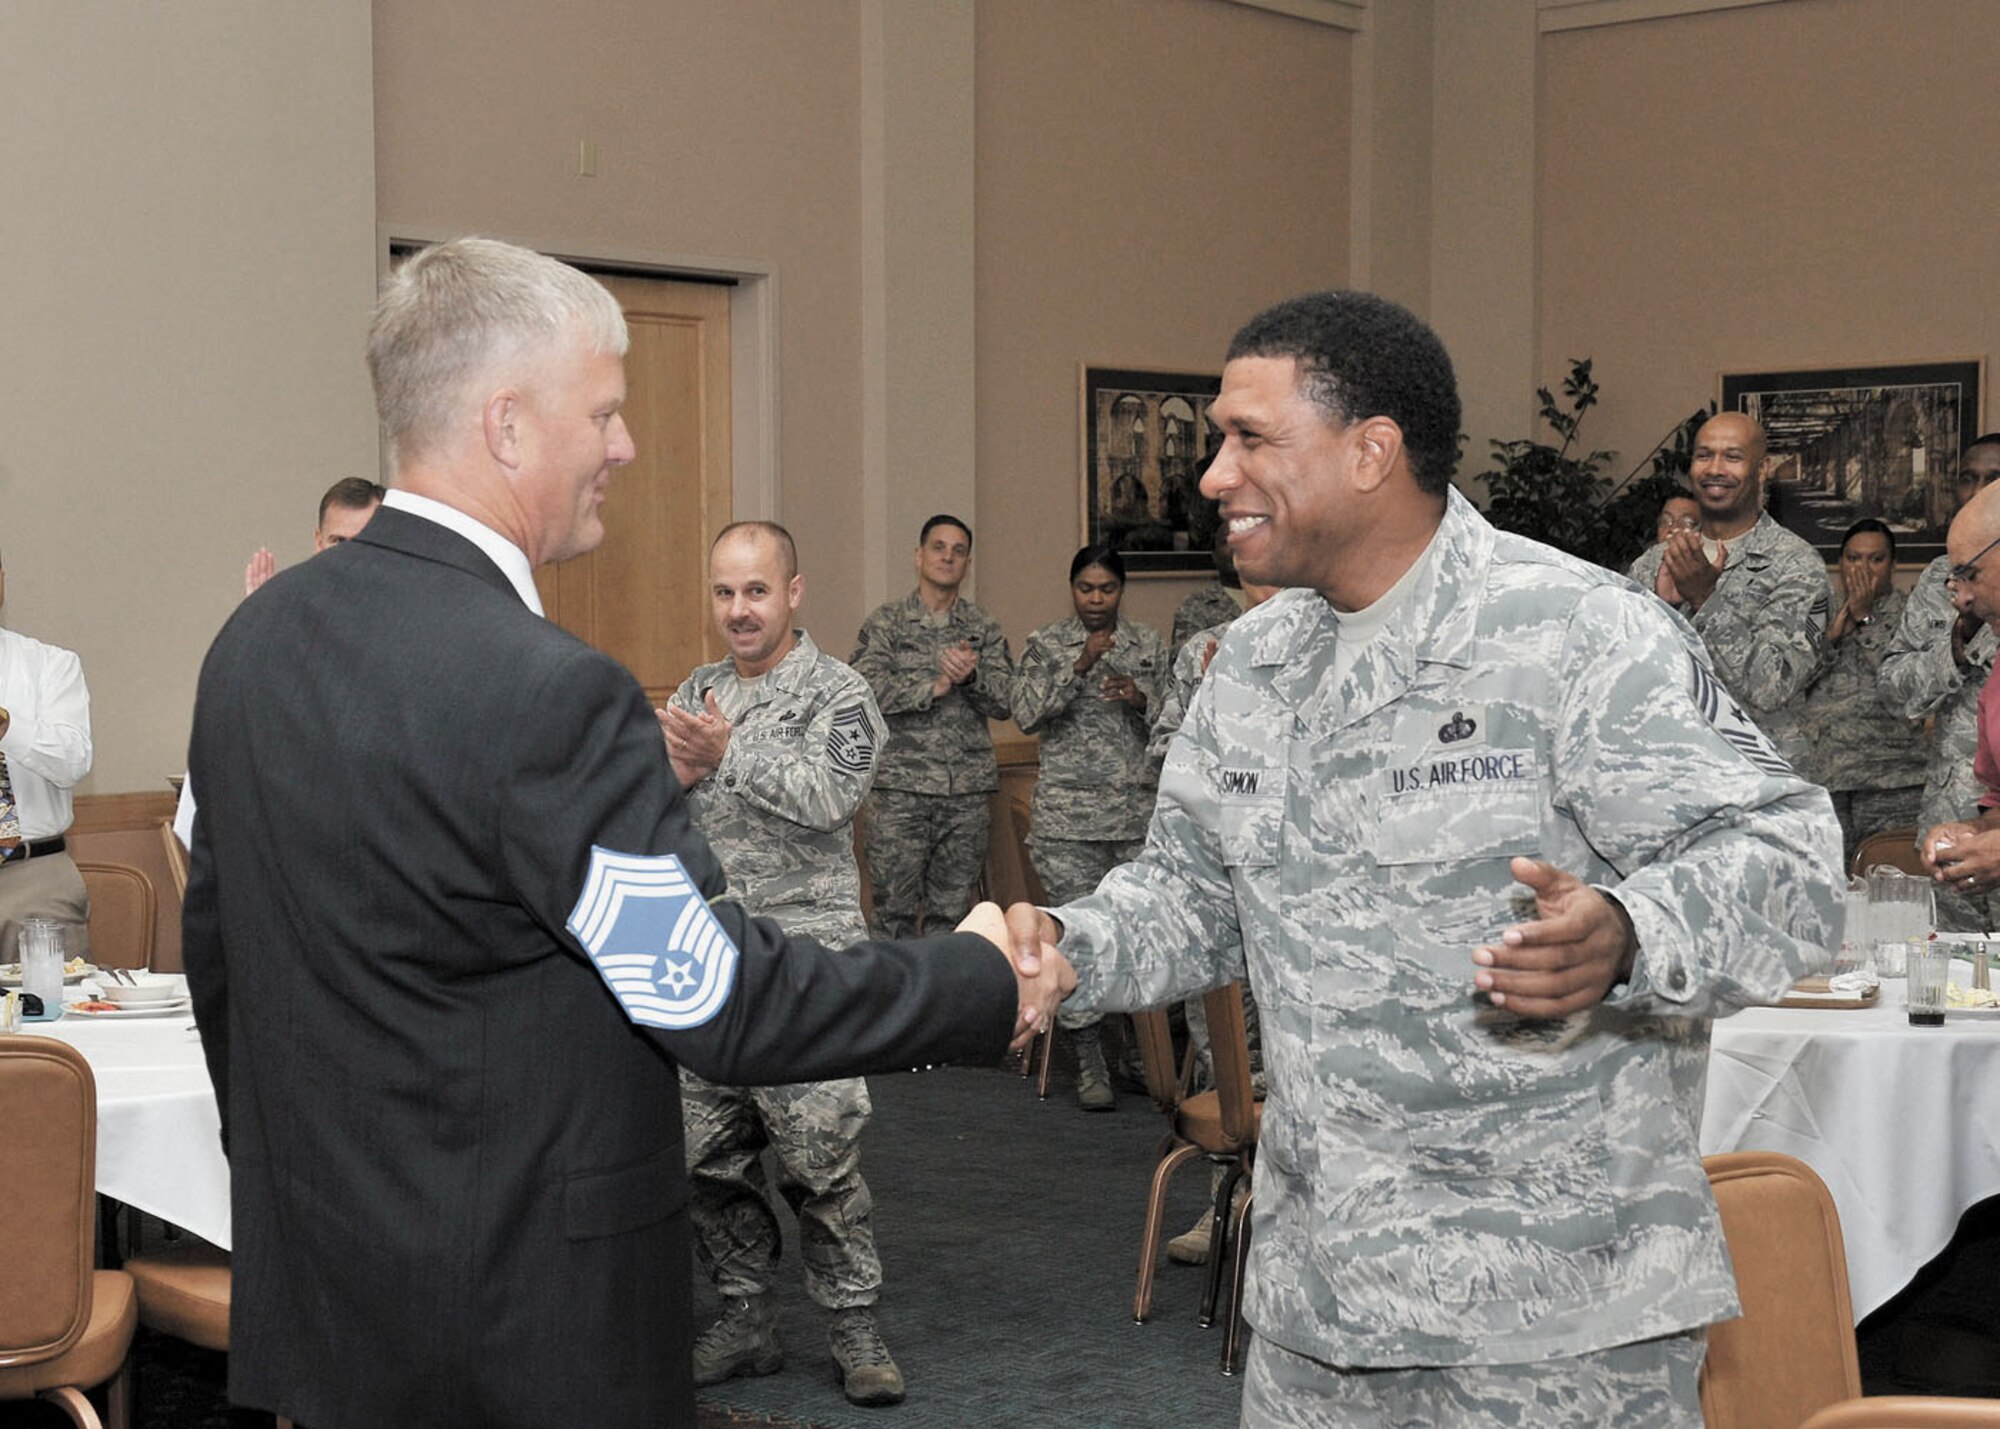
pixel 1094 789
pixel 1860 747
pixel 1206 610
pixel 928 817
pixel 1764 626
pixel 779 811
pixel 1442 1183
pixel 1182 681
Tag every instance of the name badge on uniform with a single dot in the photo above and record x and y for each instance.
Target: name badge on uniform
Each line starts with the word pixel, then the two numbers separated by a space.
pixel 653 939
pixel 1450 749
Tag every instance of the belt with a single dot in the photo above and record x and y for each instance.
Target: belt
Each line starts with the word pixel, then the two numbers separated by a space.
pixel 33 848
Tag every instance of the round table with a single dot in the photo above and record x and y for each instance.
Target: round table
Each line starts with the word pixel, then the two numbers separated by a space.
pixel 158 1135
pixel 1897 1120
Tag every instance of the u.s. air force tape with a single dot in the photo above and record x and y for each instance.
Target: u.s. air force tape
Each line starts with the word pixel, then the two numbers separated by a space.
pixel 653 939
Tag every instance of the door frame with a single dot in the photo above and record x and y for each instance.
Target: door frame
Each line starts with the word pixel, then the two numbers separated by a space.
pixel 753 342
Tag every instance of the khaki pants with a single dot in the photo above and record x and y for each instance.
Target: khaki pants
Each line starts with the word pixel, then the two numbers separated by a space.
pixel 47 887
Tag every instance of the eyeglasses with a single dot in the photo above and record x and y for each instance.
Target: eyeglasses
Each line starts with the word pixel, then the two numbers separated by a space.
pixel 1678 523
pixel 1969 572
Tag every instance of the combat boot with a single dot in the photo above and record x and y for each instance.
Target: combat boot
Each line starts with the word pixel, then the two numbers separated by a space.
pixel 1190 1247
pixel 742 1341
pixel 1093 1082
pixel 860 1360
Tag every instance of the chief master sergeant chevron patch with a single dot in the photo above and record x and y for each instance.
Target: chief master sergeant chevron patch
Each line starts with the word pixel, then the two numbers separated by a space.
pixel 654 941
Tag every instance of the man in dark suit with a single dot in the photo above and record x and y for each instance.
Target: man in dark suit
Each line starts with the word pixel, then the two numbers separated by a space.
pixel 447 927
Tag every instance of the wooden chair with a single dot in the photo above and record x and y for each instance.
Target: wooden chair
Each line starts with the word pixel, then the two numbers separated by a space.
pixel 122 912
pixel 1222 1123
pixel 184 1292
pixel 1896 847
pixel 177 857
pixel 64 1326
pixel 1031 886
pixel 1792 1351
pixel 1907 1411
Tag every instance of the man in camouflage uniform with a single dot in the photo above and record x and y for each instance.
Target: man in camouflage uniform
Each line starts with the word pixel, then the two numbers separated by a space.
pixel 1936 665
pixel 776 746
pixel 1493 846
pixel 940 668
pixel 1211 607
pixel 1759 596
pixel 1085 687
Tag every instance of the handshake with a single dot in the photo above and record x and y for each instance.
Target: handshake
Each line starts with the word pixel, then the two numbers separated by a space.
pixel 1026 936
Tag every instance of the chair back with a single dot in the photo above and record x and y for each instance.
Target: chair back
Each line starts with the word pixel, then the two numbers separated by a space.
pixel 48 1105
pixel 1792 1352
pixel 1908 1411
pixel 1895 847
pixel 122 911
pixel 177 857
pixel 1164 1082
pixel 1229 1047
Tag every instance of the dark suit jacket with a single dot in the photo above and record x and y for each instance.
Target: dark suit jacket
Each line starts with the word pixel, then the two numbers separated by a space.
pixel 456 1165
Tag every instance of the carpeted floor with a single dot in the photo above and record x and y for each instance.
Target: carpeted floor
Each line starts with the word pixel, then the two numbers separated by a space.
pixel 1009 1230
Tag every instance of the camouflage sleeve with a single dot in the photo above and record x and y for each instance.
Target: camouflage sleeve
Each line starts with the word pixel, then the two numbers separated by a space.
pixel 818 781
pixel 1645 570
pixel 1165 924
pixel 895 691
pixel 1045 683
pixel 991 690
pixel 687 697
pixel 1178 695
pixel 1918 671
pixel 1768 639
pixel 1154 673
pixel 1728 863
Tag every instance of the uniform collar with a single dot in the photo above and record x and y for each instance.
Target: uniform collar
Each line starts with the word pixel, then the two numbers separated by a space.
pixel 1435 626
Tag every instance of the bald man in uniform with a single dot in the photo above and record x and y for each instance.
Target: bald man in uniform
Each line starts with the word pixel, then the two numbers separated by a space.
pixel 1758 595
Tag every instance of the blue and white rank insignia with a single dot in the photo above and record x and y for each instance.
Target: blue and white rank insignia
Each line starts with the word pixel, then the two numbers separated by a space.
pixel 653 938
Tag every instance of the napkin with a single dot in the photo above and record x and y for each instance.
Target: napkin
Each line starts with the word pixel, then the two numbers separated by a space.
pixel 1859 983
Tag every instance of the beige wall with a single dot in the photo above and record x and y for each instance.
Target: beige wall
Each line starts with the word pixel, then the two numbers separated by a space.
pixel 186 229
pixel 726 128
pixel 1800 184
pixel 1150 173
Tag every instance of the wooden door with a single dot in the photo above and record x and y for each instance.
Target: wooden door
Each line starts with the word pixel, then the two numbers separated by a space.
pixel 642 596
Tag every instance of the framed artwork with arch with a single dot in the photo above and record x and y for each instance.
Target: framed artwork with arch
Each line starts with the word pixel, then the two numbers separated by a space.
pixel 1882 441
pixel 1146 440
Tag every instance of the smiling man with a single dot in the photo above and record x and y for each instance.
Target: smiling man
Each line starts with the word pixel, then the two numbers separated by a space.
pixel 1936 666
pixel 450 932
pixel 777 746
pixel 1759 596
pixel 1964 854
pixel 940 669
pixel 1492 849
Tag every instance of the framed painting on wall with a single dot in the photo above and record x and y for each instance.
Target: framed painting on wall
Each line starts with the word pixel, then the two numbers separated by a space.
pixel 1849 442
pixel 1147 439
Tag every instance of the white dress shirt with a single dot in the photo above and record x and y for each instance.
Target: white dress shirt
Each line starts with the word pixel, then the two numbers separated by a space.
pixel 47 743
pixel 510 558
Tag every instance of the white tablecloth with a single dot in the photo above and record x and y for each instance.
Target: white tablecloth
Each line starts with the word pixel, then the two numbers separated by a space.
pixel 157 1130
pixel 1897 1120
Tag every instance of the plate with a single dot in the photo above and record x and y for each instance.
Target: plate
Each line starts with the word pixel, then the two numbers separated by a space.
pixel 10 974
pixel 172 1007
pixel 1981 1014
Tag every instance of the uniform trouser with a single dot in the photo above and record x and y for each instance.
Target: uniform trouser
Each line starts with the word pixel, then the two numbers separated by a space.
pixel 1071 868
pixel 47 887
pixel 1867 811
pixel 1650 1385
pixel 814 1130
pixel 926 853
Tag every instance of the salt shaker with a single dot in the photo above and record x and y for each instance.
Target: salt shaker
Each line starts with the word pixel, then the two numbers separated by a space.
pixel 42 966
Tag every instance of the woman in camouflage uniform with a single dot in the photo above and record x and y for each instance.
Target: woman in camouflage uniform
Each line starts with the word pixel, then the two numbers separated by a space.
pixel 1087 686
pixel 1868 756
